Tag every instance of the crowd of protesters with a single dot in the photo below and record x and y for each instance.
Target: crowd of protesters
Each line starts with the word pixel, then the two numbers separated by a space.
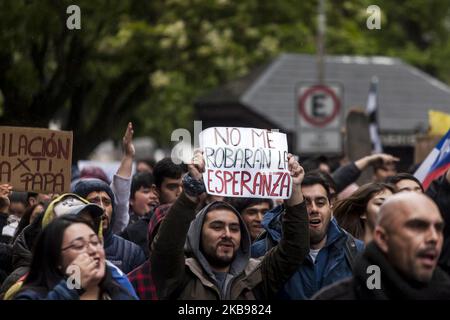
pixel 157 235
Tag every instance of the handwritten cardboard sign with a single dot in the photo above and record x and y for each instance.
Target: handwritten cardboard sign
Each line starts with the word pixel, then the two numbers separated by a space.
pixel 246 162
pixel 35 159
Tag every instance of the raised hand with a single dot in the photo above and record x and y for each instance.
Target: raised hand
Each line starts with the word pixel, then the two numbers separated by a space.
pixel 296 170
pixel 381 158
pixel 385 159
pixel 197 167
pixel 297 174
pixel 127 141
pixel 90 272
pixel 5 190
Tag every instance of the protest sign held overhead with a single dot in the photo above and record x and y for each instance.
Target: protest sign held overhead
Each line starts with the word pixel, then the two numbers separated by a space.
pixel 35 159
pixel 246 162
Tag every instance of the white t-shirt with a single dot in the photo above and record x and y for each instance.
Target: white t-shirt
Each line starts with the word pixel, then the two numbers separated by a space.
pixel 10 228
pixel 313 254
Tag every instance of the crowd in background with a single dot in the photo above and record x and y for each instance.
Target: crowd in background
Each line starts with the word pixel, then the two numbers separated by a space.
pixel 156 234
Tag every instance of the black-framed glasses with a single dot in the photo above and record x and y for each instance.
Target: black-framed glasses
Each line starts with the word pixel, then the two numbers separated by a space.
pixel 80 244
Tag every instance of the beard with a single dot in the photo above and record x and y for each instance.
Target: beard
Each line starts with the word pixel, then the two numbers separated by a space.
pixel 105 222
pixel 219 261
pixel 316 236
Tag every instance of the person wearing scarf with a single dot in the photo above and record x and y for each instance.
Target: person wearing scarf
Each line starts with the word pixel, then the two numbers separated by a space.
pixel 401 262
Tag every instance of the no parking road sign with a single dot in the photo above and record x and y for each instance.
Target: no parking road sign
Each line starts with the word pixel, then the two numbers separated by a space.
pixel 319 118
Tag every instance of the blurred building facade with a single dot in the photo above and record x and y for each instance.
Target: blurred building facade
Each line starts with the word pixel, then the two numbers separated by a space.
pixel 266 97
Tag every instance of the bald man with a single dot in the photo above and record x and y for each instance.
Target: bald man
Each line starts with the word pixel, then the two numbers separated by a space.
pixel 401 262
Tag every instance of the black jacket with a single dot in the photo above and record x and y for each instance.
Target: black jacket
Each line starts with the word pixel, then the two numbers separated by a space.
pixel 392 285
pixel 21 260
pixel 4 223
pixel 21 253
pixel 439 191
pixel 190 277
pixel 5 261
pixel 123 253
pixel 137 232
pixel 345 176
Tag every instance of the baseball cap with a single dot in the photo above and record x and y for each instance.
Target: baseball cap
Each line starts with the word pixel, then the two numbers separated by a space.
pixel 70 203
pixel 73 205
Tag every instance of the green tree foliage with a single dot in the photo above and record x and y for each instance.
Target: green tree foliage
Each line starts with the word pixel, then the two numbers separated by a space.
pixel 149 60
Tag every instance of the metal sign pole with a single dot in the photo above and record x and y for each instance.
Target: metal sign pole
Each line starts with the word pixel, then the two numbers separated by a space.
pixel 321 24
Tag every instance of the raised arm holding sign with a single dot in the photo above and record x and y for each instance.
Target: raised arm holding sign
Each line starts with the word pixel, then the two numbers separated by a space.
pixel 217 242
pixel 246 162
pixel 197 168
pixel 36 159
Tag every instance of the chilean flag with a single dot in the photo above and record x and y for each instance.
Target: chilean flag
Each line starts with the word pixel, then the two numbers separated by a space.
pixel 437 162
pixel 372 110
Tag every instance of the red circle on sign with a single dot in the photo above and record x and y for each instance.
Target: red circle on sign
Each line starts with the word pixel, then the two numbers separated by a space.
pixel 326 120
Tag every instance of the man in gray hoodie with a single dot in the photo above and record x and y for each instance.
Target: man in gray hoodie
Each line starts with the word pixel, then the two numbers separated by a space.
pixel 210 257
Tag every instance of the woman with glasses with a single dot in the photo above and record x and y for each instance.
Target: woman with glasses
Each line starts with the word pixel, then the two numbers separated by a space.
pixel 69 264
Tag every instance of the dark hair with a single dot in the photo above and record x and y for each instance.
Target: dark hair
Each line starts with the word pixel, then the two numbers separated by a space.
pixel 313 163
pixel 25 220
pixel 4 203
pixel 31 195
pixel 240 204
pixel 21 197
pixel 141 179
pixel 44 272
pixel 149 162
pixel 310 164
pixel 165 168
pixel 348 211
pixel 328 178
pixel 315 177
pixel 403 176
pixel 32 231
pixel 222 205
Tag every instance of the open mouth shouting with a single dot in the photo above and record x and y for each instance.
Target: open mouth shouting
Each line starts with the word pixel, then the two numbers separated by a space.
pixel 428 257
pixel 315 222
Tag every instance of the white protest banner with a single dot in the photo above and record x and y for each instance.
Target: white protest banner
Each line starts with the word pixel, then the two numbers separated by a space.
pixel 246 162
pixel 36 159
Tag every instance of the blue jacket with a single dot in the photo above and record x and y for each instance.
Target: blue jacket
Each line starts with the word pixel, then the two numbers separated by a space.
pixel 124 254
pixel 331 264
pixel 62 292
pixel 121 279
